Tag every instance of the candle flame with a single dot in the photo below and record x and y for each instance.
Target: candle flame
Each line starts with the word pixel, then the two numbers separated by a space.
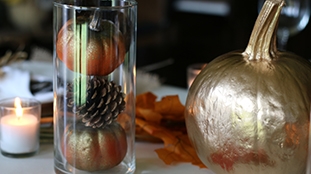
pixel 18 107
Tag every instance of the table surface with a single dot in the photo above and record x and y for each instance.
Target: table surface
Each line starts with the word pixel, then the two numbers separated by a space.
pixel 147 160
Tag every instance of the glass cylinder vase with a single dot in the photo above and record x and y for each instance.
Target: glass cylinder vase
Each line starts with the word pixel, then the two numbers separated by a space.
pixel 94 86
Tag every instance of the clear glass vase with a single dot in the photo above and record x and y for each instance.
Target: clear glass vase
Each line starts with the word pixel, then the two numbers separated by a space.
pixel 94 86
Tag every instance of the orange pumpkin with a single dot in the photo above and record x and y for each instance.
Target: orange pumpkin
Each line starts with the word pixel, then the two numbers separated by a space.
pixel 91 149
pixel 90 52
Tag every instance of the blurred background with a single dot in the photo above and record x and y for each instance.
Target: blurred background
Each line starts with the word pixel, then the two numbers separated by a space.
pixel 178 32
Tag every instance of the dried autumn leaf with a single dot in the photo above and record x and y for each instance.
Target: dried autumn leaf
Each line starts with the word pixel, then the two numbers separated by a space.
pixel 175 126
pixel 146 100
pixel 170 105
pixel 179 117
pixel 149 115
pixel 179 152
pixel 177 147
pixel 158 131
pixel 164 121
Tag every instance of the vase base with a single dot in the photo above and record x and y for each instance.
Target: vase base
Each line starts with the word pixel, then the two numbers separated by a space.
pixel 122 168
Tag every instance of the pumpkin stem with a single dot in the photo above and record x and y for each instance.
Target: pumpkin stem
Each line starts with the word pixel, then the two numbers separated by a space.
pixel 262 43
pixel 95 22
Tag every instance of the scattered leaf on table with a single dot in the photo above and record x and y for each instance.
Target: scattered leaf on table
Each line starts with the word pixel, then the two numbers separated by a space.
pixel 146 100
pixel 179 117
pixel 177 147
pixel 170 105
pixel 164 121
pixel 149 115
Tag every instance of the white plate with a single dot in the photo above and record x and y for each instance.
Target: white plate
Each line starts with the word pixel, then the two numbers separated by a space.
pixel 165 90
pixel 39 71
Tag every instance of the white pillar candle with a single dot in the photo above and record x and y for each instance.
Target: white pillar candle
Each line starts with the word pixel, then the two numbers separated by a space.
pixel 19 135
pixel 19 132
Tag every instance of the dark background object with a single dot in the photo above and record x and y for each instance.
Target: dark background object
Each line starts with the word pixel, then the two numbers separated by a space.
pixel 164 32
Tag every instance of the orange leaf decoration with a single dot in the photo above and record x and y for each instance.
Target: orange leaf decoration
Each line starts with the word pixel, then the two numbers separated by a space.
pixel 149 115
pixel 177 147
pixel 164 120
pixel 170 105
pixel 146 100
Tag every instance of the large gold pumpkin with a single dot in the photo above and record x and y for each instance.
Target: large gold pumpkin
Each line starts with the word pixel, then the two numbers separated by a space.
pixel 248 112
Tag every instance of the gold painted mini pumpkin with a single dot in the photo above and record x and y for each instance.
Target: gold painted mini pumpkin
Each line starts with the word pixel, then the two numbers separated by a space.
pixel 248 112
pixel 105 48
pixel 92 149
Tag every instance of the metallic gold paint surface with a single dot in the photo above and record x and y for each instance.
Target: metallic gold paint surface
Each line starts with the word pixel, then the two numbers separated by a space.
pixel 248 112
pixel 91 149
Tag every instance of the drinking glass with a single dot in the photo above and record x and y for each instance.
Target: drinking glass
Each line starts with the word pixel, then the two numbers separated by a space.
pixel 293 19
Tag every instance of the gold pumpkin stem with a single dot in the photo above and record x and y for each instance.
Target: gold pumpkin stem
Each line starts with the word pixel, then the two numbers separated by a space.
pixel 262 43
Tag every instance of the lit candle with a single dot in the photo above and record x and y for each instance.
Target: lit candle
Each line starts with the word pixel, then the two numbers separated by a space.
pixel 19 131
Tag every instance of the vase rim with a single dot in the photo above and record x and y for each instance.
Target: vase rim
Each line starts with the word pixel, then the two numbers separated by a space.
pixel 122 4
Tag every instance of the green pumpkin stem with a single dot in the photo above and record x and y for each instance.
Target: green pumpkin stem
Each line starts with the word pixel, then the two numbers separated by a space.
pixel 262 43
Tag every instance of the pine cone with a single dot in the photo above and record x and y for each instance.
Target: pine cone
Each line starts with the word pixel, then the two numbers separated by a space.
pixel 99 104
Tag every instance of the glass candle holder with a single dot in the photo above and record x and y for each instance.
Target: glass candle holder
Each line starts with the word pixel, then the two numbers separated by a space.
pixel 192 71
pixel 94 86
pixel 19 127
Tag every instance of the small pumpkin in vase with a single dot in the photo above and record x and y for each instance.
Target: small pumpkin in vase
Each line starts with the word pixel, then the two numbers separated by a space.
pixel 96 141
pixel 92 150
pixel 104 42
pixel 248 111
